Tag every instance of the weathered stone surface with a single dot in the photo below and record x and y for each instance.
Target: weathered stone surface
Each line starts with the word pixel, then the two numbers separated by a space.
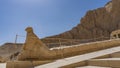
pixel 96 23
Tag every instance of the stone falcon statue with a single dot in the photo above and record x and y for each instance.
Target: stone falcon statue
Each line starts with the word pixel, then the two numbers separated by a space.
pixel 33 47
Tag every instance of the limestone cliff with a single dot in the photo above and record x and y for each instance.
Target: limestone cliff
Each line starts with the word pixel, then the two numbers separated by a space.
pixel 96 23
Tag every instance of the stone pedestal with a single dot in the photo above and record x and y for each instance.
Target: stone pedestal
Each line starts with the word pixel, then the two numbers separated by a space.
pixel 25 64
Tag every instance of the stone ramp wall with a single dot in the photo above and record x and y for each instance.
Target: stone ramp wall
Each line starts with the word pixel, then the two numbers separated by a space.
pixel 86 48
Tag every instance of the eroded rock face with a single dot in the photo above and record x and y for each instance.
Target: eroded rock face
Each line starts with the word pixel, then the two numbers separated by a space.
pixel 116 12
pixel 96 23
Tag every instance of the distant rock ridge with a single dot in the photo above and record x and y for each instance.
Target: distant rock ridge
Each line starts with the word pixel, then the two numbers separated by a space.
pixel 9 48
pixel 96 23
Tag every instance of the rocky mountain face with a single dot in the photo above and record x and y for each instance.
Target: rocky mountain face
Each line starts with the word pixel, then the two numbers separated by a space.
pixel 96 23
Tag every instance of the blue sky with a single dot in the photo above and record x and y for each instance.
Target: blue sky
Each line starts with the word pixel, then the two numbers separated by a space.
pixel 47 17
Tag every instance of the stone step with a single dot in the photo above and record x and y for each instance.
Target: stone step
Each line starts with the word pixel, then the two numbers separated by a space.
pixel 92 67
pixel 116 55
pixel 2 65
pixel 107 62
